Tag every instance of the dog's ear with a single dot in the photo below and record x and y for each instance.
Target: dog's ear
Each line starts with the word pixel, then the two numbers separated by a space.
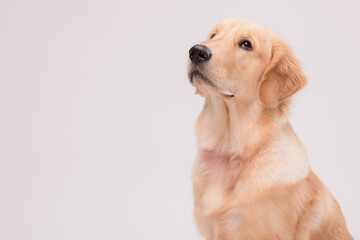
pixel 282 77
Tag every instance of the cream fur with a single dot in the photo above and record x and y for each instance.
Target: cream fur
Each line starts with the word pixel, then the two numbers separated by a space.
pixel 251 177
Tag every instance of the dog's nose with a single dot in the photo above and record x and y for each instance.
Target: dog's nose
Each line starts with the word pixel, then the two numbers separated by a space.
pixel 199 53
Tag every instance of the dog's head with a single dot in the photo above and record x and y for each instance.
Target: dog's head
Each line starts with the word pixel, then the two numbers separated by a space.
pixel 244 61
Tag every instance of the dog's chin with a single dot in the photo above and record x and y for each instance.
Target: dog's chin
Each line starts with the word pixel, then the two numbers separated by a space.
pixel 198 80
pixel 197 77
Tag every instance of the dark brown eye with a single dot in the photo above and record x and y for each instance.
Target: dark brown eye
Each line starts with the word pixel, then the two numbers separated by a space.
pixel 212 35
pixel 246 45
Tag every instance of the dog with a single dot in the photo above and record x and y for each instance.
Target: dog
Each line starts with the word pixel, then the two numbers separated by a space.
pixel 251 177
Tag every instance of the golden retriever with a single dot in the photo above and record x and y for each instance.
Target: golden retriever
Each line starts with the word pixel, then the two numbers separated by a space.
pixel 251 178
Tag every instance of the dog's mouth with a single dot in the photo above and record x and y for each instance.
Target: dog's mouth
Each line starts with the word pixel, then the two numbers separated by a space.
pixel 205 80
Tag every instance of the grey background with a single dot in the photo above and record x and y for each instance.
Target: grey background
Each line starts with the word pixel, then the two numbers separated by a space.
pixel 97 116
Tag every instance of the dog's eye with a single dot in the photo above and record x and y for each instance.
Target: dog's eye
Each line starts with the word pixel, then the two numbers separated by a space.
pixel 212 35
pixel 246 45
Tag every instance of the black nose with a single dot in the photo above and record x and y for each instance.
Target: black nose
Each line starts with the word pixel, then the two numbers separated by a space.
pixel 199 53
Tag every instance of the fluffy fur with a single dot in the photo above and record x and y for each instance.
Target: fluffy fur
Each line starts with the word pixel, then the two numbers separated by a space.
pixel 251 177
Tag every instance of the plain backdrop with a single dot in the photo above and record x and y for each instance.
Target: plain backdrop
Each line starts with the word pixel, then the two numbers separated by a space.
pixel 97 116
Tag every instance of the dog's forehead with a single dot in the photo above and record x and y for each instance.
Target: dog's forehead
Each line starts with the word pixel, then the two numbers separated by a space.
pixel 238 26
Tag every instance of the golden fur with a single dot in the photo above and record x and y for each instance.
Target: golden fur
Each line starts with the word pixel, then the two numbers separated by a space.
pixel 251 177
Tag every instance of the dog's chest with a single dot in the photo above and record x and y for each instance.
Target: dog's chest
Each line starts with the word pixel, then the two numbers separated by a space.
pixel 216 180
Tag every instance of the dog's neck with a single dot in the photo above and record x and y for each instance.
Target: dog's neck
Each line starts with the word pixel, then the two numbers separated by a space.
pixel 228 126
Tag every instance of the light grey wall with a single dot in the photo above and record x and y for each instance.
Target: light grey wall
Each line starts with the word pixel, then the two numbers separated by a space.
pixel 97 116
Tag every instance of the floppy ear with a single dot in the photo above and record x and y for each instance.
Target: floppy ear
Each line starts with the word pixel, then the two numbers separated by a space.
pixel 282 77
